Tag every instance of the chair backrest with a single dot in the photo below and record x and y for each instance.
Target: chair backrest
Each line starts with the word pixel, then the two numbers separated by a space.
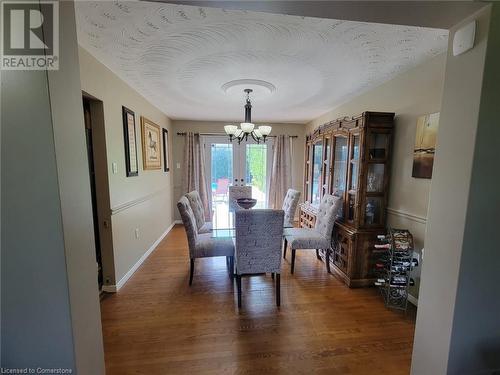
pixel 237 192
pixel 197 207
pixel 259 236
pixel 328 211
pixel 290 205
pixel 189 221
pixel 222 186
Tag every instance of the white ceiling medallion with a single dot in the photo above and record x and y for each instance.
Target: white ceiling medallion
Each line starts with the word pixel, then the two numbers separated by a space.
pixel 257 85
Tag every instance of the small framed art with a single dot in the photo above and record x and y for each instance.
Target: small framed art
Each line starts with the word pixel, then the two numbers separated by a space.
pixel 166 161
pixel 151 145
pixel 130 137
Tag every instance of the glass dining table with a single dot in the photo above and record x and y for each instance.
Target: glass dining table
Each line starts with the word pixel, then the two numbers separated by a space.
pixel 223 225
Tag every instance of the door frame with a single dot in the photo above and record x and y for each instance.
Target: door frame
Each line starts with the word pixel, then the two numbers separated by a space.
pixel 102 191
pixel 239 158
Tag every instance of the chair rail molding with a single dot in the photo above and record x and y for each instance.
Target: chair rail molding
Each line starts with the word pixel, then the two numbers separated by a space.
pixel 124 206
pixel 407 215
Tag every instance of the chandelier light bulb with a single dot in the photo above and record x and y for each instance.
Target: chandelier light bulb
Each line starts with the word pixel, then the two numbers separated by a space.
pixel 230 129
pixel 265 130
pixel 247 127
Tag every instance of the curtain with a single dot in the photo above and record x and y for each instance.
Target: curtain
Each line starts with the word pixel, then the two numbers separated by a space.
pixel 194 171
pixel 281 172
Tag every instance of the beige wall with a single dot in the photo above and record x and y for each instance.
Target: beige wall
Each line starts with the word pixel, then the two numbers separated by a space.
pixel 217 127
pixel 411 94
pixel 142 202
pixel 442 301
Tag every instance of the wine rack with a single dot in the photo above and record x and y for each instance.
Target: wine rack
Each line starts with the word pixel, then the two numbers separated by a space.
pixel 393 267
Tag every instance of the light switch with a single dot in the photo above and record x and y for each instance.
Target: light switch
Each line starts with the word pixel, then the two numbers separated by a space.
pixel 114 167
pixel 178 165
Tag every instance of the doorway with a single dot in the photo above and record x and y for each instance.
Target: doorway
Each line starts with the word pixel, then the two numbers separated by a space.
pixel 99 188
pixel 232 164
pixel 93 194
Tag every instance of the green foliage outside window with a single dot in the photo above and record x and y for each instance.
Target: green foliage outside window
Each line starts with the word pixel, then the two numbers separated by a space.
pixel 256 166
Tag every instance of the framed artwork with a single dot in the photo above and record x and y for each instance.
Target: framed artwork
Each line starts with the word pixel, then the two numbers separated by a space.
pixel 166 161
pixel 425 145
pixel 130 137
pixel 151 145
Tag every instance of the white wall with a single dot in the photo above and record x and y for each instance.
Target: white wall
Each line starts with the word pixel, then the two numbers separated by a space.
pixel 461 241
pixel 410 95
pixel 218 127
pixel 144 201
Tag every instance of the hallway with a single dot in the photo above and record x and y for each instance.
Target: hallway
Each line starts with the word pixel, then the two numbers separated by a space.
pixel 157 325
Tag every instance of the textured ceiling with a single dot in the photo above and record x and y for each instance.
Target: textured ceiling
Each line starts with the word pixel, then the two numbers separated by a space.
pixel 180 57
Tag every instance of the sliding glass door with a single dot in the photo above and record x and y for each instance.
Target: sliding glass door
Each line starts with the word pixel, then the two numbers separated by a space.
pixel 233 164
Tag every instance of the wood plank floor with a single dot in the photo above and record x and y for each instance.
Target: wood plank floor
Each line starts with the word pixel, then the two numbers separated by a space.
pixel 157 324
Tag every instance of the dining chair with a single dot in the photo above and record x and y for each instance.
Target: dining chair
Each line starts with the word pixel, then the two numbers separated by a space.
pixel 319 237
pixel 258 245
pixel 199 212
pixel 203 245
pixel 237 192
pixel 222 188
pixel 290 206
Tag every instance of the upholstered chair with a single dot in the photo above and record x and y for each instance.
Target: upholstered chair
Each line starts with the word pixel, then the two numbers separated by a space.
pixel 199 212
pixel 258 245
pixel 319 237
pixel 290 206
pixel 237 192
pixel 203 245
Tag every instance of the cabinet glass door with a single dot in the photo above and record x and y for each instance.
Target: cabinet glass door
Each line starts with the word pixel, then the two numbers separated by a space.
pixel 353 177
pixel 317 163
pixel 339 166
pixel 307 172
pixel 326 166
pixel 378 144
pixel 375 178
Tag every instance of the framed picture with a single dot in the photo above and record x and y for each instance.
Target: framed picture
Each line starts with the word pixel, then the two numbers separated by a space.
pixel 166 162
pixel 425 145
pixel 151 145
pixel 130 137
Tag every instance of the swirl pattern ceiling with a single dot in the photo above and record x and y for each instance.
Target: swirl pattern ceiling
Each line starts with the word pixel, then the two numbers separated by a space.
pixel 181 57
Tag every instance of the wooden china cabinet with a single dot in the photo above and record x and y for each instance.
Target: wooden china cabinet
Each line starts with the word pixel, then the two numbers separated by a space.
pixel 350 158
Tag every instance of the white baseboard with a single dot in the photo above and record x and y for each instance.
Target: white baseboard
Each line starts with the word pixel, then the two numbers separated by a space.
pixel 412 300
pixel 177 222
pixel 124 279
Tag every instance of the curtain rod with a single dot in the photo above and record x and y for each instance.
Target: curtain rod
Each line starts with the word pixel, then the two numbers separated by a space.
pixel 224 134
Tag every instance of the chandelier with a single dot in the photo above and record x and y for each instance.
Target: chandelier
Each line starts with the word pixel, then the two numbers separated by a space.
pixel 247 127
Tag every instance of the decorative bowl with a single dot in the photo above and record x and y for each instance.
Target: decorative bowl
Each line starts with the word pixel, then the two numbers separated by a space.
pixel 246 203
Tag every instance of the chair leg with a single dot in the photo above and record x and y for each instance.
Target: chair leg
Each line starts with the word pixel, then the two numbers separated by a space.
pixel 284 248
pixel 317 254
pixel 231 267
pixel 293 260
pixel 191 272
pixel 272 275
pixel 278 292
pixel 327 260
pixel 238 284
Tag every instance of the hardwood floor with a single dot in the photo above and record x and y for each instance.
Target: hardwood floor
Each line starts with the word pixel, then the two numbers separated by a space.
pixel 157 324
